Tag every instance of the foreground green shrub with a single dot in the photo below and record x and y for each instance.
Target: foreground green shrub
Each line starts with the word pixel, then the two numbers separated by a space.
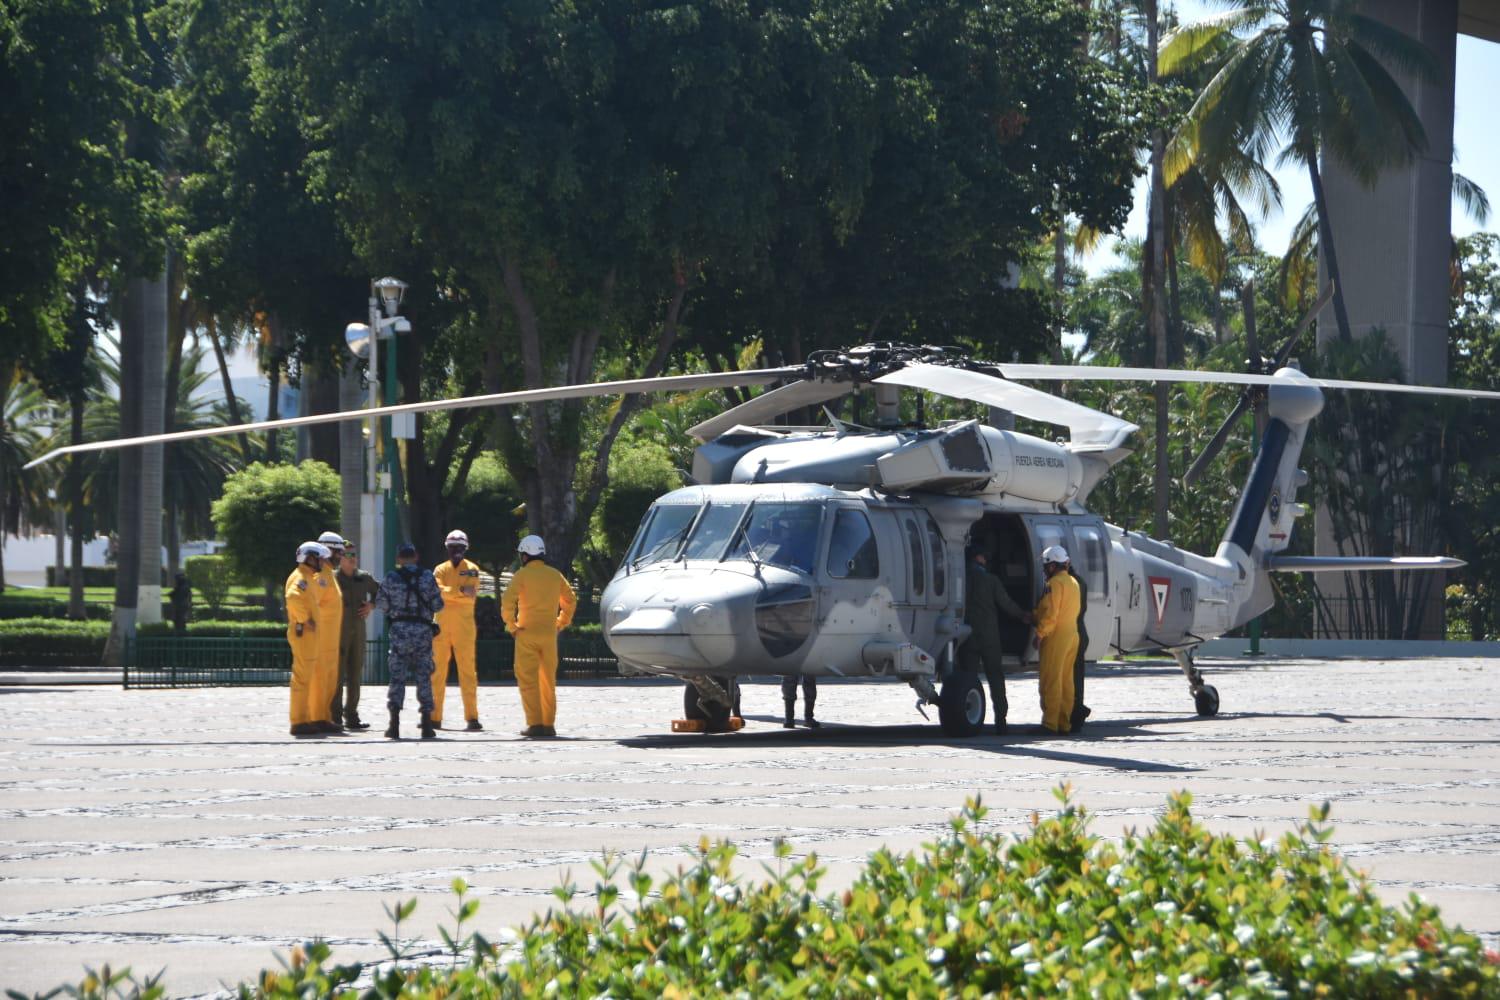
pixel 1175 911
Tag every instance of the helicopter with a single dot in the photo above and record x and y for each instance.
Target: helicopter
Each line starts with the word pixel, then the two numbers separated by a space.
pixel 838 550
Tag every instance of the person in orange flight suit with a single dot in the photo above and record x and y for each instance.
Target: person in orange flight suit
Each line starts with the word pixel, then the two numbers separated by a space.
pixel 301 595
pixel 537 605
pixel 1057 636
pixel 458 582
pixel 330 628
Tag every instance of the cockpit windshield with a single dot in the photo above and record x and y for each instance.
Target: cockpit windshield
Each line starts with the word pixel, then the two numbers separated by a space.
pixel 781 534
pixel 774 532
pixel 663 533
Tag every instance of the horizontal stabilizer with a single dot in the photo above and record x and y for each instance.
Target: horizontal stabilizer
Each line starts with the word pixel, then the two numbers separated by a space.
pixel 1353 564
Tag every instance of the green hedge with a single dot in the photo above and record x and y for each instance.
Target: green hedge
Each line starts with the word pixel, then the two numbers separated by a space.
pixel 59 642
pixel 51 642
pixel 1172 912
pixel 93 576
pixel 220 627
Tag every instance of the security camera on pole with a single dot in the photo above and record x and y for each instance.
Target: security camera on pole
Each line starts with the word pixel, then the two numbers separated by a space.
pixel 379 519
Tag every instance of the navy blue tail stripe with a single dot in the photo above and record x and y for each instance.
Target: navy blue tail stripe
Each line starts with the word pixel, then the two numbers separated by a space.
pixel 1258 490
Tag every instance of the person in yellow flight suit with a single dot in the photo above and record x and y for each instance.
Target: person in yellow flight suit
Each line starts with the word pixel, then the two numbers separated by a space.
pixel 537 605
pixel 301 596
pixel 1057 635
pixel 458 582
pixel 330 627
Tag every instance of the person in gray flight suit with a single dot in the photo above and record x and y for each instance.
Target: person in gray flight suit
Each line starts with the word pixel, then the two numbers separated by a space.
pixel 985 600
pixel 1080 710
pixel 409 597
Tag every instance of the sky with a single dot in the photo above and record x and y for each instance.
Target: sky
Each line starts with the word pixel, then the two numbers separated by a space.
pixel 1475 139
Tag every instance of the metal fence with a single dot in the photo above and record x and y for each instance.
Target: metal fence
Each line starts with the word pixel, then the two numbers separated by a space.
pixel 171 661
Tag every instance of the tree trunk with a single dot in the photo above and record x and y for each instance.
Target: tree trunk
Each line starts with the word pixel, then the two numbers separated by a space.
pixel 128 519
pixel 75 502
pixel 177 327
pixel 1156 294
pixel 229 397
pixel 7 379
pixel 1059 280
pixel 1326 248
pixel 1176 341
pixel 273 396
pixel 153 415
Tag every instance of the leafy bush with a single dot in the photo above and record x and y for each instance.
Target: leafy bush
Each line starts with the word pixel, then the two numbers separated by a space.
pixel 488 509
pixel 268 510
pixel 211 578
pixel 1176 911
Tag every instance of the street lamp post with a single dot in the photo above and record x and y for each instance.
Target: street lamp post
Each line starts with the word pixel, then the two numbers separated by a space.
pixel 379 517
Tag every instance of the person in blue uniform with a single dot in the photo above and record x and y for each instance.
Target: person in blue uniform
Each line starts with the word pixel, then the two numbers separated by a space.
pixel 410 599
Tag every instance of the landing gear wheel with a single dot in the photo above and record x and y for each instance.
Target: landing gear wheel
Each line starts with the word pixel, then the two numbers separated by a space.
pixel 716 717
pixel 1206 699
pixel 961 704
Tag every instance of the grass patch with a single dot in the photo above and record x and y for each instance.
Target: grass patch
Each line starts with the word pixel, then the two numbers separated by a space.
pixel 1174 911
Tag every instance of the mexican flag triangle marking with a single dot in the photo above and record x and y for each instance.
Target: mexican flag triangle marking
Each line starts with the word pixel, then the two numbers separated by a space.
pixel 1161 588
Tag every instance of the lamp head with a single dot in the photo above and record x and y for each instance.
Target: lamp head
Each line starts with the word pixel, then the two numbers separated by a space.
pixel 390 291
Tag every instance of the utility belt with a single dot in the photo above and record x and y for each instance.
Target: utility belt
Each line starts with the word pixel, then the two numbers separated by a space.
pixel 416 620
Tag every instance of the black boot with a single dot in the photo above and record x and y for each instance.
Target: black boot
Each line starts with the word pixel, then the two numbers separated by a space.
pixel 810 699
pixel 791 714
pixel 393 731
pixel 354 722
pixel 428 733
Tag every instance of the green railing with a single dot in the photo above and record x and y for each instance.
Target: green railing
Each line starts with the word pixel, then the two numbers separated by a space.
pixel 171 661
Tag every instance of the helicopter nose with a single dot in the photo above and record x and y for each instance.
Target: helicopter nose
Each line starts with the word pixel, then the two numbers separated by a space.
pixel 679 625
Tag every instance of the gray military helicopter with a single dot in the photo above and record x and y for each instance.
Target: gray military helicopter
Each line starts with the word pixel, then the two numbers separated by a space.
pixel 837 551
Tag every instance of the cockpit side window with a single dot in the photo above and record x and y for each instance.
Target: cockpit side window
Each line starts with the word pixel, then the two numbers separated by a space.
pixel 852 552
pixel 918 567
pixel 662 534
pixel 781 534
pixel 939 558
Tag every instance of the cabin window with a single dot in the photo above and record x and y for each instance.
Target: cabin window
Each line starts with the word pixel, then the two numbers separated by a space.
pixel 663 532
pixel 939 558
pixel 851 548
pixel 714 530
pixel 1091 560
pixel 918 565
pixel 781 534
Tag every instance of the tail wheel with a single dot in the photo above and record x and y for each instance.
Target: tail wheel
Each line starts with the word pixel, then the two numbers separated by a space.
pixel 961 704
pixel 716 716
pixel 1206 699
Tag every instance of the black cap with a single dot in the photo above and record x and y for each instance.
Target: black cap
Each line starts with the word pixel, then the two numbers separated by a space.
pixel 406 549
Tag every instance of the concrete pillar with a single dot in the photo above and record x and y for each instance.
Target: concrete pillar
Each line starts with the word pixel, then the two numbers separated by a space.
pixel 1393 239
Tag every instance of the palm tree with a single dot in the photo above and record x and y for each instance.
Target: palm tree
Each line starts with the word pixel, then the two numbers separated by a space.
pixel 1306 76
pixel 24 412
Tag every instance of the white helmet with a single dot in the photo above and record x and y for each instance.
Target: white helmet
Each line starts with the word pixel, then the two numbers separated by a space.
pixel 532 545
pixel 311 549
pixel 332 539
pixel 1054 554
pixel 457 537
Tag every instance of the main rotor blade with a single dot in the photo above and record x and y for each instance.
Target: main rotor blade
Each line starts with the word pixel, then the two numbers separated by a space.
pixel 1088 428
pixel 1105 373
pixel 770 405
pixel 1216 443
pixel 669 383
pixel 1306 321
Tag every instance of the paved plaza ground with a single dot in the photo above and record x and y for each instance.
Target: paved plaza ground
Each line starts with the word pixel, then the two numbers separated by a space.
pixel 185 830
